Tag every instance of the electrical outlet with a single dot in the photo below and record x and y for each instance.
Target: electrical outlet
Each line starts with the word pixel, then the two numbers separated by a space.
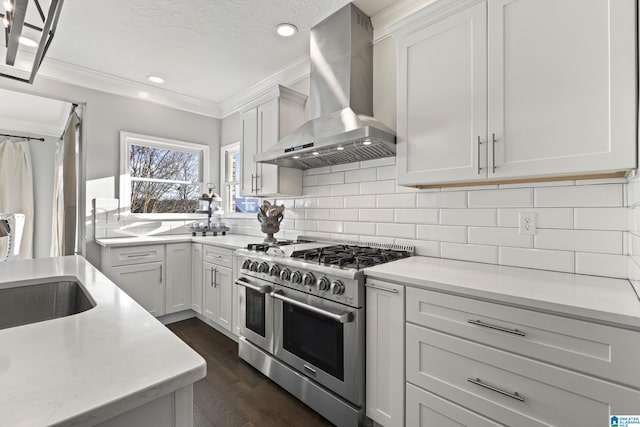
pixel 527 223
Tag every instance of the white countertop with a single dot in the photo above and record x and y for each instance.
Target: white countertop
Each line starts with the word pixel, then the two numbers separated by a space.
pixel 231 241
pixel 86 368
pixel 588 297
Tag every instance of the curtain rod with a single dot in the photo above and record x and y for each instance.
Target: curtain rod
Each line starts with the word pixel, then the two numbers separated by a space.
pixel 28 138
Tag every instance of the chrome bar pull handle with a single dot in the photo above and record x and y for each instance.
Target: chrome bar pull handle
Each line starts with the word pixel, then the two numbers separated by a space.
pixel 513 395
pixel 338 317
pixel 211 282
pixel 260 289
pixel 381 288
pixel 252 190
pixel 493 153
pixel 496 327
pixel 215 277
pixel 479 144
pixel 161 273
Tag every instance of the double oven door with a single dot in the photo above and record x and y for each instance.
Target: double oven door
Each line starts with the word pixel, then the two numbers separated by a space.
pixel 320 339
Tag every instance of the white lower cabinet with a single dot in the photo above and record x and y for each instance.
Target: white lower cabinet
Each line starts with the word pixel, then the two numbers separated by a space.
pixel 217 294
pixel 385 353
pixel 196 278
pixel 143 283
pixel 178 277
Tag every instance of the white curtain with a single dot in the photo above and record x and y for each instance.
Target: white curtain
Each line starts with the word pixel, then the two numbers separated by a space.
pixel 16 189
pixel 57 221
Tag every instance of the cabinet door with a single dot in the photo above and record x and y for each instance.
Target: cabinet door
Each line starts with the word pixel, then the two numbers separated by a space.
pixel 385 353
pixel 235 326
pixel 217 294
pixel 268 135
pixel 249 147
pixel 442 92
pixel 196 279
pixel 178 278
pixel 143 283
pixel 562 86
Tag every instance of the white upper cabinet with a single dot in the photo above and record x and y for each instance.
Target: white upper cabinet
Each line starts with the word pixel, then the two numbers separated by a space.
pixel 262 127
pixel 508 89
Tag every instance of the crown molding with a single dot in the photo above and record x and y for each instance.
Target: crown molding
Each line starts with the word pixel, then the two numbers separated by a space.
pixel 394 13
pixel 267 88
pixel 79 76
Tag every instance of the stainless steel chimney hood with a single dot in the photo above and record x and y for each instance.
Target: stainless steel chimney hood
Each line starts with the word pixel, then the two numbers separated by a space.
pixel 341 128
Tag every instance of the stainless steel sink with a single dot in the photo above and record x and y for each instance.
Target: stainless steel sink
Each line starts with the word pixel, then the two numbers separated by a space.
pixel 24 304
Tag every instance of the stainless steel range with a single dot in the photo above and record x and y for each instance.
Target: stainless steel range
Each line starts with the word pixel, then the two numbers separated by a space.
pixel 302 320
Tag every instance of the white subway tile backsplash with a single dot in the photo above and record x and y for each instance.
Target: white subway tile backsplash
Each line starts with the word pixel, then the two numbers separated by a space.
pixel 417 216
pixel 545 217
pixel 361 175
pixel 602 264
pixel 442 233
pixel 406 231
pixel 633 192
pixel 306 225
pixel 378 162
pixel 377 239
pixel 606 195
pixel 316 214
pixel 456 199
pixel 345 167
pixel 330 226
pixel 318 171
pixel 377 215
pixel 331 178
pixel 330 202
pixel 343 214
pixel 368 228
pixel 317 191
pixel 307 203
pixel 516 197
pixel 601 218
pixel 421 247
pixel 386 172
pixel 476 253
pixel 537 258
pixel 310 180
pixel 378 187
pixel 486 217
pixel 580 240
pixel 499 237
pixel 396 201
pixel 368 201
pixel 601 181
pixel 345 189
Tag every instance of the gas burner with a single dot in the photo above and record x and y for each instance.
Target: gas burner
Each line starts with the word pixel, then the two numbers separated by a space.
pixel 350 256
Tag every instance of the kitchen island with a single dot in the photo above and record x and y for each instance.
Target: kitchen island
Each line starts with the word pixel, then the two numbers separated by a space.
pixel 111 365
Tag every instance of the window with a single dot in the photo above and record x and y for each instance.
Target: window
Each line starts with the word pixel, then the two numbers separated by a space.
pixel 230 176
pixel 161 175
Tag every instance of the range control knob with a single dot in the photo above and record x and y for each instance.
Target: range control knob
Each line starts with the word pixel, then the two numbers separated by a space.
pixel 245 264
pixel 285 274
pixel 296 277
pixel 263 267
pixel 337 287
pixel 308 279
pixel 324 284
pixel 274 270
pixel 253 266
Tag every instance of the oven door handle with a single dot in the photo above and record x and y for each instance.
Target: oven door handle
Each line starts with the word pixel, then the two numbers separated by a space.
pixel 261 289
pixel 338 317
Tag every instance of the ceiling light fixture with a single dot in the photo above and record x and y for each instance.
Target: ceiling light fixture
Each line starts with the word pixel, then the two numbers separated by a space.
pixel 286 30
pixel 20 65
pixel 155 79
pixel 339 148
pixel 315 153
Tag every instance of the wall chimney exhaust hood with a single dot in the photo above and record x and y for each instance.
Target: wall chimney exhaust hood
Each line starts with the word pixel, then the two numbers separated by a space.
pixel 341 128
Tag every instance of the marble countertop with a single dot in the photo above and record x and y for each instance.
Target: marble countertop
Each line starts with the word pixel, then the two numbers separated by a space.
pixel 89 367
pixel 231 241
pixel 607 300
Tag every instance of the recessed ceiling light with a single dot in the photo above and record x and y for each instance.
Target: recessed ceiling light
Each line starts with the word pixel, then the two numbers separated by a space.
pixel 315 153
pixel 366 142
pixel 286 30
pixel 25 41
pixel 296 157
pixel 340 148
pixel 155 79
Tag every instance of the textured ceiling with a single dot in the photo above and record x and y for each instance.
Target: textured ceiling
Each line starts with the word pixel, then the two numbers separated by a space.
pixel 207 49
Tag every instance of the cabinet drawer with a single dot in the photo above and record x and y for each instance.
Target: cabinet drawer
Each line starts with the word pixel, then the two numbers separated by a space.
pixel 425 409
pixel 595 349
pixel 510 389
pixel 137 255
pixel 216 255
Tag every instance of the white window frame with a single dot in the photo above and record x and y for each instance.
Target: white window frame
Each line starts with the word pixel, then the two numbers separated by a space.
pixel 127 139
pixel 224 150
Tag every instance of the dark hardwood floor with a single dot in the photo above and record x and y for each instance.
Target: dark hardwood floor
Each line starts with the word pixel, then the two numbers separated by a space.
pixel 234 393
